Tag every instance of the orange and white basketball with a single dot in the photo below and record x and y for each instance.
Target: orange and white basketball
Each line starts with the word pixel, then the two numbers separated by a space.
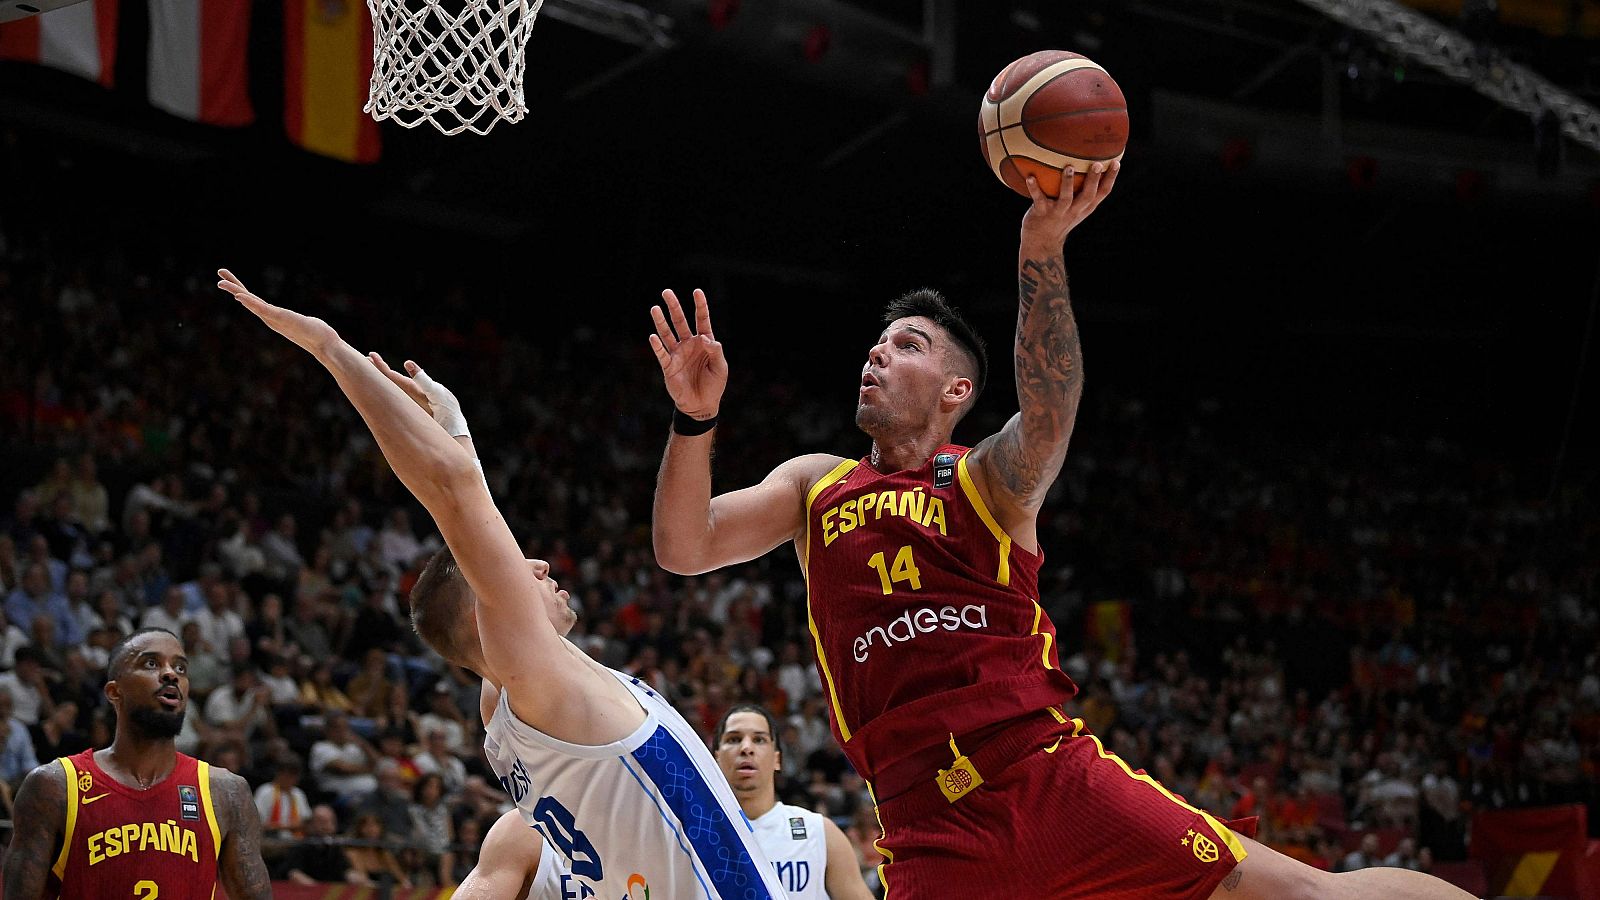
pixel 1049 112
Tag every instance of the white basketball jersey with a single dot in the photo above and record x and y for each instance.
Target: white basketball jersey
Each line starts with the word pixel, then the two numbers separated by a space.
pixel 798 848
pixel 551 879
pixel 651 812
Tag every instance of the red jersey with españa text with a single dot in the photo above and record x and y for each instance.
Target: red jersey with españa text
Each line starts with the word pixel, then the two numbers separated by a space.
pixel 925 615
pixel 121 843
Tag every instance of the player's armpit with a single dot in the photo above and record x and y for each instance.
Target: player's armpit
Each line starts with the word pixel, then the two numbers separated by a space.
pixel 508 862
pixel 843 879
pixel 240 868
pixel 737 526
pixel 41 803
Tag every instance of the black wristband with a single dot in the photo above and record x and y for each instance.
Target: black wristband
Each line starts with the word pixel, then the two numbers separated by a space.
pixel 688 426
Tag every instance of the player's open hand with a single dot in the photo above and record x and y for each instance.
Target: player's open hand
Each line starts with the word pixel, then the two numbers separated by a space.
pixel 435 399
pixel 311 334
pixel 692 363
pixel 1050 220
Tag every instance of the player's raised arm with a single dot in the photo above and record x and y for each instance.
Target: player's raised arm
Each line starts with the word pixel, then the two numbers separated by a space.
pixel 1017 464
pixel 520 645
pixel 41 805
pixel 694 532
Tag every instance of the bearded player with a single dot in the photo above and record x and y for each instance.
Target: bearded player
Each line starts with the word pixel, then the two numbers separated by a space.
pixel 813 858
pixel 138 819
pixel 921 563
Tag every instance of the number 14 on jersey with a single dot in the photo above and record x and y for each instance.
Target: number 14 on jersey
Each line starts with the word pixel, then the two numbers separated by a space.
pixel 903 571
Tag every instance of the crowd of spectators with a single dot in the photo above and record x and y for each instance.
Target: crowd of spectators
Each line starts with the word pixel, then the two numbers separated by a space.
pixel 1359 639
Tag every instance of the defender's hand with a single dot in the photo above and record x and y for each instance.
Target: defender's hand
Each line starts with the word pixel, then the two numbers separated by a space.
pixel 692 363
pixel 1049 221
pixel 435 399
pixel 310 334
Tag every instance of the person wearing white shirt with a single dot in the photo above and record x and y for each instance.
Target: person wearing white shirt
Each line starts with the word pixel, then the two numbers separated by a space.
pixel 30 695
pixel 282 804
pixel 813 858
pixel 12 639
pixel 397 544
pixel 170 615
pixel 341 761
pixel 437 759
pixel 17 758
pixel 219 624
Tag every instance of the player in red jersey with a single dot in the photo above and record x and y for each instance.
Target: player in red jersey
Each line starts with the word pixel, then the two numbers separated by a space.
pixel 921 565
pixel 137 820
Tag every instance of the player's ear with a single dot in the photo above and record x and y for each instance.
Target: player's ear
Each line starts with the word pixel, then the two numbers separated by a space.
pixel 113 692
pixel 958 391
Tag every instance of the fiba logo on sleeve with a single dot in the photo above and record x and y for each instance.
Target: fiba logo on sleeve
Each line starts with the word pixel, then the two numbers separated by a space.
pixel 944 470
pixel 797 828
pixel 188 803
pixel 911 623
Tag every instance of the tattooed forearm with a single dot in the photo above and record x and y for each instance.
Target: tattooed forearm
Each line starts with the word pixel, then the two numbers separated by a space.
pixel 1231 883
pixel 243 872
pixel 1026 455
pixel 42 803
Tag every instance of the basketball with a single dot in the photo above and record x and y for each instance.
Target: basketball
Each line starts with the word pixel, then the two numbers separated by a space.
pixel 1048 112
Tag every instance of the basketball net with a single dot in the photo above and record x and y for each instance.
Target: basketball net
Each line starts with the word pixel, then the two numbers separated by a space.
pixel 455 63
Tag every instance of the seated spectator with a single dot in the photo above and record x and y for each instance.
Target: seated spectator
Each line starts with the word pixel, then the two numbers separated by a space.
pixel 436 759
pixel 1363 857
pixel 35 598
pixel 342 762
pixel 282 804
pixel 58 734
pixel 1404 856
pixel 444 715
pixel 17 755
pixel 370 865
pixel 391 802
pixel 29 687
pixel 240 707
pixel 316 859
pixel 171 614
pixel 281 687
pixel 319 691
pixel 432 827
pixel 369 690
pixel 393 746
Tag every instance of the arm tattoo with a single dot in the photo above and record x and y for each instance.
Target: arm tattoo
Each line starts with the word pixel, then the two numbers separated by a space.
pixel 42 803
pixel 1231 883
pixel 242 871
pixel 1027 453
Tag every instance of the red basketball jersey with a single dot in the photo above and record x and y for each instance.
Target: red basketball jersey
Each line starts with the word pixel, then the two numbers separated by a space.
pixel 925 615
pixel 126 844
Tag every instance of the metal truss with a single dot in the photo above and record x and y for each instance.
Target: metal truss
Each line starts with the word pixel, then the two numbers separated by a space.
pixel 1416 37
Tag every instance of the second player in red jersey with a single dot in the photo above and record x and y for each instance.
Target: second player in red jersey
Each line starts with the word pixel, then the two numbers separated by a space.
pixel 137 820
pixel 921 564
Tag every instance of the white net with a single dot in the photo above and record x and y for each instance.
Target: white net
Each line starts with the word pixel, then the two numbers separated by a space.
pixel 455 63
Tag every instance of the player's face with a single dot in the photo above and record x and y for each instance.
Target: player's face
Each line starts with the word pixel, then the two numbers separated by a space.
pixel 152 686
pixel 562 615
pixel 904 377
pixel 747 754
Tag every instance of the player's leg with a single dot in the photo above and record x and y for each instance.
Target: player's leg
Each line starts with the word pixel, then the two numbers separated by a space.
pixel 1267 874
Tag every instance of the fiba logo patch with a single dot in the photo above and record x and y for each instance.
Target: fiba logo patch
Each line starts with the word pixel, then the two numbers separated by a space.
pixel 797 828
pixel 188 803
pixel 1205 849
pixel 944 470
pixel 959 780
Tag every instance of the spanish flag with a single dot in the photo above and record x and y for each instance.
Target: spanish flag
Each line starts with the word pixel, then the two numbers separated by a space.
pixel 81 39
pixel 327 68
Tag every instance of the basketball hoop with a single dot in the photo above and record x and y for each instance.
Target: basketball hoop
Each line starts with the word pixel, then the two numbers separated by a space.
pixel 455 63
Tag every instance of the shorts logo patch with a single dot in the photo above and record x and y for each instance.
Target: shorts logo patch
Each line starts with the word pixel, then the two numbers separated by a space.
pixel 1205 849
pixel 797 828
pixel 959 780
pixel 188 803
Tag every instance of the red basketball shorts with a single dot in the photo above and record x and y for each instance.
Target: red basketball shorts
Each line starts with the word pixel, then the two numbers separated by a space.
pixel 1042 809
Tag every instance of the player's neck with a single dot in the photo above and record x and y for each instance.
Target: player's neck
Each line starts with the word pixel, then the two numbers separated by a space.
pixel 757 805
pixel 138 762
pixel 896 453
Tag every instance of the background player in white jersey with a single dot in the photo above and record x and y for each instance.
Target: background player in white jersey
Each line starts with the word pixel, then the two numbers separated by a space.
pixel 514 863
pixel 813 858
pixel 605 768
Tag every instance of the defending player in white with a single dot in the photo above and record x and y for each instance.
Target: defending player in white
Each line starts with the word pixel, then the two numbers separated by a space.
pixel 813 858
pixel 608 772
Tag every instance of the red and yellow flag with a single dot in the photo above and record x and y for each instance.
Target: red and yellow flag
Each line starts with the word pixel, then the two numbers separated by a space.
pixel 327 68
